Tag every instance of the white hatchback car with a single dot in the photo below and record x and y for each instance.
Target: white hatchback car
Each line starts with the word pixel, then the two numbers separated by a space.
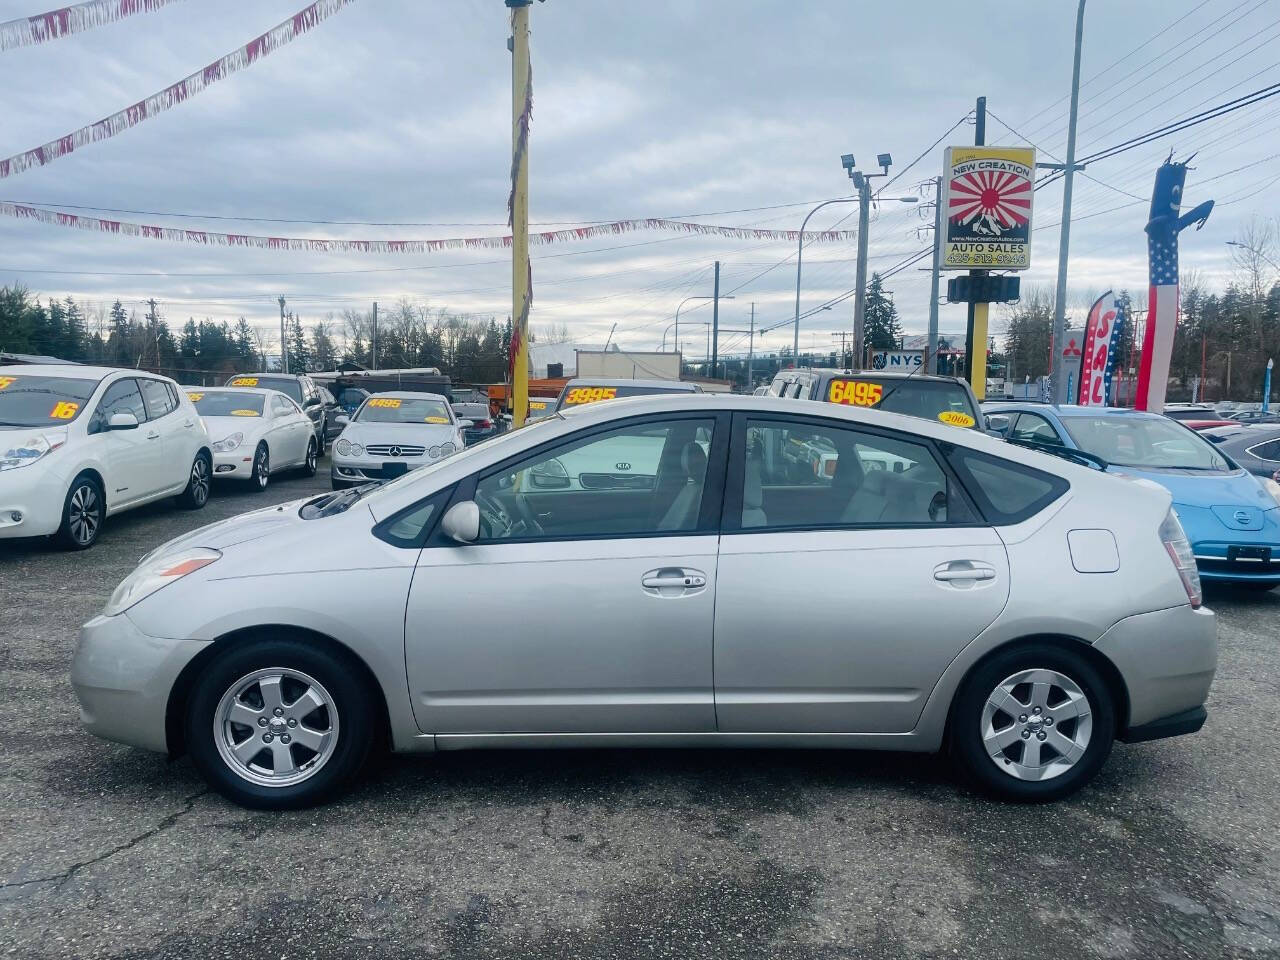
pixel 255 433
pixel 661 586
pixel 78 444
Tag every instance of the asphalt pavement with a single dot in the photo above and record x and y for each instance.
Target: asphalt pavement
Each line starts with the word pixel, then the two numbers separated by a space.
pixel 107 851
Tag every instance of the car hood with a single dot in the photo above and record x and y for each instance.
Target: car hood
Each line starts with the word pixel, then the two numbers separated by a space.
pixel 1235 501
pixel 219 427
pixel 239 529
pixel 424 434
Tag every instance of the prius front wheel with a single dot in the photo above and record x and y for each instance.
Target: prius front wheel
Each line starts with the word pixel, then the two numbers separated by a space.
pixel 279 724
pixel 1034 723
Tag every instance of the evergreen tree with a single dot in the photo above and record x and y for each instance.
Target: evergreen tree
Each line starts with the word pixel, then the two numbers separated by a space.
pixel 881 328
pixel 299 352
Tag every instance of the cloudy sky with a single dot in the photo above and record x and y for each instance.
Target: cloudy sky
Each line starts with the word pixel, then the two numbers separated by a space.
pixel 395 114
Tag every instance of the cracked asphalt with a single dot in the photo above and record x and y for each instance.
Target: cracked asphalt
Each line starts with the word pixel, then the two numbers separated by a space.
pixel 110 852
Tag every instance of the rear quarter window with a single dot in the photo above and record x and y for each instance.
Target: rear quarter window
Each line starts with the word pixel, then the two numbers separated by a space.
pixel 1006 492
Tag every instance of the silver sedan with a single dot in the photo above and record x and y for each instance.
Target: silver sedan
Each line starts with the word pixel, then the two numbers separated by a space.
pixel 665 579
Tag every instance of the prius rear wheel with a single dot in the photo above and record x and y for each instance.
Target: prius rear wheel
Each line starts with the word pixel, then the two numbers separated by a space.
pixel 1033 723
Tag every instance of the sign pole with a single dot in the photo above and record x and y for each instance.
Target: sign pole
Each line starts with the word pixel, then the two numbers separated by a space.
pixel 521 295
pixel 931 353
pixel 979 139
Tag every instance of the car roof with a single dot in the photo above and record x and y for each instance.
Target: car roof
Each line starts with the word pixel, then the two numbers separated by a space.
pixel 878 374
pixel 1069 410
pixel 68 371
pixel 631 382
pixel 410 395
pixel 264 376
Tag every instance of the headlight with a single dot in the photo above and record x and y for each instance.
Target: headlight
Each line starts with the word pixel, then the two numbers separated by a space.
pixel 343 447
pixel 151 575
pixel 447 448
pixel 227 444
pixel 434 452
pixel 1271 486
pixel 30 450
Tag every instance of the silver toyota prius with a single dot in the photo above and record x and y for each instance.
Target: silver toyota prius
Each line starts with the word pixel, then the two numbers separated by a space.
pixel 675 571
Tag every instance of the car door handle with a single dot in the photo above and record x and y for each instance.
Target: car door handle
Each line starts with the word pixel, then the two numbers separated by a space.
pixel 153 436
pixel 963 570
pixel 674 578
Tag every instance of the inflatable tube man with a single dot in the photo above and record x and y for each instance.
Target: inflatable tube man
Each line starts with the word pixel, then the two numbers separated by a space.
pixel 1162 308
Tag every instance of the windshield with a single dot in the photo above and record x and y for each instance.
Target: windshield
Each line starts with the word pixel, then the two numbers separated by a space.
pixel 583 393
pixel 286 385
pixel 42 401
pixel 1154 443
pixel 943 400
pixel 1194 413
pixel 403 410
pixel 227 403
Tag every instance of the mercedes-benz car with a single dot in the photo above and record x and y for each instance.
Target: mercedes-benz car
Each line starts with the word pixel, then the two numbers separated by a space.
pixel 393 433
pixel 1017 610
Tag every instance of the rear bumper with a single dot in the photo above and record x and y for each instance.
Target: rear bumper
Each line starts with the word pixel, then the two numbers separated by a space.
pixel 1167 660
pixel 1188 721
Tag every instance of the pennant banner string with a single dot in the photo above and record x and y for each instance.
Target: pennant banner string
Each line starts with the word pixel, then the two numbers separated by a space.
pixel 122 228
pixel 301 22
pixel 77 18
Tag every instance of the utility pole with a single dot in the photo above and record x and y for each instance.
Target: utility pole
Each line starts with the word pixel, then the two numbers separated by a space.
pixel 843 337
pixel 373 340
pixel 931 348
pixel 976 323
pixel 521 295
pixel 860 298
pixel 751 346
pixel 284 342
pixel 1060 304
pixel 715 323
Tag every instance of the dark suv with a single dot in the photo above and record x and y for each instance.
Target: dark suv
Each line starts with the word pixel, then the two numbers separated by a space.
pixel 948 399
pixel 301 388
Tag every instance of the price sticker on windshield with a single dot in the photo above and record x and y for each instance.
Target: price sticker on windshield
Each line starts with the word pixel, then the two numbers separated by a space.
pixel 245 382
pixel 391 403
pixel 537 405
pixel 436 420
pixel 590 394
pixel 6 382
pixel 244 413
pixel 66 410
pixel 195 397
pixel 855 393
pixel 956 419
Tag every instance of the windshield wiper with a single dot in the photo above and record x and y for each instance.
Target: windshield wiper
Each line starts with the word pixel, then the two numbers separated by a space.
pixel 14 423
pixel 331 504
pixel 1058 450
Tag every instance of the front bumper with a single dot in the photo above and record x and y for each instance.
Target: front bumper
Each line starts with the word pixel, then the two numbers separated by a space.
pixel 123 678
pixel 1215 562
pixel 35 496
pixel 236 465
pixel 1166 659
pixel 360 470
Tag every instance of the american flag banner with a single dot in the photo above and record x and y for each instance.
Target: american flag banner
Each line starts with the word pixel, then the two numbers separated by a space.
pixel 1162 307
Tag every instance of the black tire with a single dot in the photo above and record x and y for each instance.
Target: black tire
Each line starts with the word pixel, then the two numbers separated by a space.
pixel 355 722
pixel 83 512
pixel 260 475
pixel 199 483
pixel 309 464
pixel 965 732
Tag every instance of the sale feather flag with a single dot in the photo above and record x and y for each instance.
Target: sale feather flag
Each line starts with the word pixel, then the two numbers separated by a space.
pixel 43 27
pixel 1095 359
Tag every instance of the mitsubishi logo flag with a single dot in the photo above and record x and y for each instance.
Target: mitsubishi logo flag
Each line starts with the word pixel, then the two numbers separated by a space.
pixel 1101 337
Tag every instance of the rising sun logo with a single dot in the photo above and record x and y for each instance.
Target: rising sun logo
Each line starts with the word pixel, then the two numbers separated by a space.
pixel 997 201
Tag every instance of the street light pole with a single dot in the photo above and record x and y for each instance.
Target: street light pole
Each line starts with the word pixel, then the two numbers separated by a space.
pixel 860 298
pixel 931 354
pixel 677 323
pixel 1064 243
pixel 795 356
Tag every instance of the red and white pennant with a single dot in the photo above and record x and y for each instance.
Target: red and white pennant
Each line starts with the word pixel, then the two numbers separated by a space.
pixel 43 27
pixel 123 228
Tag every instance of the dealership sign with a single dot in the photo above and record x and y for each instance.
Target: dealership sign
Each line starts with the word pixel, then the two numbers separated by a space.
pixel 986 203
pixel 897 359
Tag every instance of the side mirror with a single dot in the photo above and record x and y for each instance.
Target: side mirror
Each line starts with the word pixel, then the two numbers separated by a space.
pixel 461 522
pixel 998 424
pixel 310 402
pixel 122 421
pixel 549 475
pixel 464 424
pixel 342 419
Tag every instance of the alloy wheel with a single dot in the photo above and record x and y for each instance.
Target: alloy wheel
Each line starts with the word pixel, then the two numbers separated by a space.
pixel 311 458
pixel 276 727
pixel 262 473
pixel 84 514
pixel 1036 724
pixel 199 481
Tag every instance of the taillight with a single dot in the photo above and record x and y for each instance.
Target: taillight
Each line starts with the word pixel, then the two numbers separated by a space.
pixel 1179 550
pixel 485 424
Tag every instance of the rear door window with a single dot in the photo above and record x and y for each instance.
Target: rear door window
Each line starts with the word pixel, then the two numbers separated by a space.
pixel 159 402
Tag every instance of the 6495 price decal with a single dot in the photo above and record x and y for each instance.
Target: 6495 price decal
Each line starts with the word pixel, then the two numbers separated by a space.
pixel 855 393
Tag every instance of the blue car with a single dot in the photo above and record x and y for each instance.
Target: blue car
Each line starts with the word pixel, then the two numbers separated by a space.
pixel 1231 516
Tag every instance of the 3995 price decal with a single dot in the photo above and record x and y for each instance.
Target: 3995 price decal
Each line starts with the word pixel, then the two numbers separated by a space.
pixel 855 393
pixel 591 394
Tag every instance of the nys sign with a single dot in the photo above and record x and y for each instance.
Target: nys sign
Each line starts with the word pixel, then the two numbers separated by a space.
pixel 905 360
